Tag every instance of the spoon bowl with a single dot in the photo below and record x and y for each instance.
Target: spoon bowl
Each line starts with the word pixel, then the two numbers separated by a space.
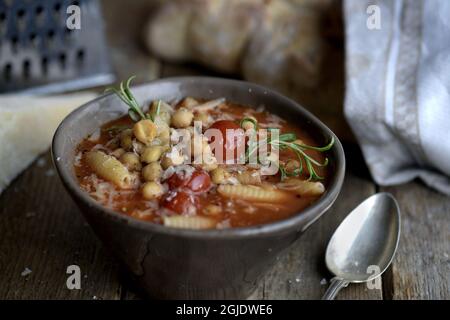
pixel 364 244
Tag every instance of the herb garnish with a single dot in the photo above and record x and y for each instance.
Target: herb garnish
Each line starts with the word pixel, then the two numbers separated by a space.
pixel 289 141
pixel 158 109
pixel 124 93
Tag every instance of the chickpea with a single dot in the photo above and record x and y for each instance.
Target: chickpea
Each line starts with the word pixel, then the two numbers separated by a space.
pixel 164 116
pixel 145 131
pixel 209 162
pixel 164 136
pixel 212 210
pixel 126 139
pixel 152 153
pixel 138 147
pixel 188 102
pixel 166 162
pixel 118 152
pixel 203 117
pixel 131 161
pixel 164 111
pixel 182 118
pixel 172 158
pixel 249 177
pixel 152 190
pixel 219 175
pixel 152 171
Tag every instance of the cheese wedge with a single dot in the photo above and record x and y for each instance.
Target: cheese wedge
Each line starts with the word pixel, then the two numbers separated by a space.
pixel 27 124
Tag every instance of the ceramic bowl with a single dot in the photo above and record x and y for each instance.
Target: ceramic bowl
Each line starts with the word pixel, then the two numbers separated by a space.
pixel 193 264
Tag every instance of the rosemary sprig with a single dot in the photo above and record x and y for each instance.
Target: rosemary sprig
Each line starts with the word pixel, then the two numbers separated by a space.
pixel 158 109
pixel 287 141
pixel 125 94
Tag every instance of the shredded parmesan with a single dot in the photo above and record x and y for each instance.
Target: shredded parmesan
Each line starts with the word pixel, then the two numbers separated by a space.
pixel 185 171
pixel 78 157
pixel 210 105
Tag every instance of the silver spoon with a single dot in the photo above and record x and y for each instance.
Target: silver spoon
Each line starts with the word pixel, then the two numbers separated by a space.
pixel 364 244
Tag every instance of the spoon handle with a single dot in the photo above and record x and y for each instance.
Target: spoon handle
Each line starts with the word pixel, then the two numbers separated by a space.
pixel 336 284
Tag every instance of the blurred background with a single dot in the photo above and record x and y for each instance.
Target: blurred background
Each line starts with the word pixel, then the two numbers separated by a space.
pixel 294 46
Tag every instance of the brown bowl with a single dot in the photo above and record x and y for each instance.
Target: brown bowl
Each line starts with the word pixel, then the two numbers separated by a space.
pixel 193 264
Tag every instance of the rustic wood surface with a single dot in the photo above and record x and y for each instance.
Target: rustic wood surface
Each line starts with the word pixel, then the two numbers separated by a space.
pixel 421 269
pixel 42 232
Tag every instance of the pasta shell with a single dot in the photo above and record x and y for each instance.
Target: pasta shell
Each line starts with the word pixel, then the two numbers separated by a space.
pixel 109 168
pixel 303 187
pixel 253 193
pixel 189 222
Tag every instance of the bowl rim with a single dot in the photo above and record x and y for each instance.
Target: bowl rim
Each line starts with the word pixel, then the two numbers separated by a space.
pixel 309 214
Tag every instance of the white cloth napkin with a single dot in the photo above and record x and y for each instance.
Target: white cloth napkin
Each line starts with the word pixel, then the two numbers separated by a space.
pixel 398 89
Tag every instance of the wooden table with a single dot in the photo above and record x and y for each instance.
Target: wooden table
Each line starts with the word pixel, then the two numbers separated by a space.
pixel 42 231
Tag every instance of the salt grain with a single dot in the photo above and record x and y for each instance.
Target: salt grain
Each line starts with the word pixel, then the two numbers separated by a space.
pixel 26 272
pixel 323 282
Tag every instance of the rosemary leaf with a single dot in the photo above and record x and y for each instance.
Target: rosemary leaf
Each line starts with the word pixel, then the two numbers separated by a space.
pixel 125 94
pixel 288 137
pixel 286 141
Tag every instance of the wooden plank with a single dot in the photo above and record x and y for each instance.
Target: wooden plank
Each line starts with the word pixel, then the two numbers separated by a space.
pixel 301 273
pixel 42 230
pixel 420 269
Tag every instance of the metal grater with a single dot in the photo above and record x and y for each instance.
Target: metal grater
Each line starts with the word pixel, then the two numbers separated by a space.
pixel 39 54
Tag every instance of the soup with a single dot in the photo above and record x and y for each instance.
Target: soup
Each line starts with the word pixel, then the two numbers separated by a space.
pixel 201 164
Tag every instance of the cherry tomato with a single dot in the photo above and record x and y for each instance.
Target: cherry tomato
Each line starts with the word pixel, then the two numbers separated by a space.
pixel 233 139
pixel 179 202
pixel 198 181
